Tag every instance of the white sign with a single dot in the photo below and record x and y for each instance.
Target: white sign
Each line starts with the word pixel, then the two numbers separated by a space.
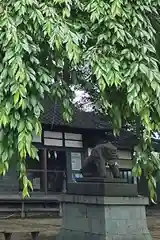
pixel 76 160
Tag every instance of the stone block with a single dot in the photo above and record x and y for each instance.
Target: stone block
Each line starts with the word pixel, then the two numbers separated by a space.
pixel 129 237
pixel 143 212
pixel 104 218
pixel 97 211
pixel 122 212
pixel 79 210
pixel 70 235
pixel 116 227
pixel 97 226
pixel 76 224
pixel 76 235
pixel 96 237
pixel 141 226
pixel 102 200
pixel 101 180
pixel 117 237
pixel 136 212
pixel 103 189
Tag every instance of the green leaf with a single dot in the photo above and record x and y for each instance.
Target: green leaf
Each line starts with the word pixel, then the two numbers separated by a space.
pixel 154 85
pixel 33 152
pixel 9 54
pixel 13 122
pixel 151 190
pixel 33 100
pixel 25 46
pixel 17 5
pixel 16 98
pixel 154 181
pixel 116 8
pixel 102 84
pixel 8 107
pixel 38 128
pixel 143 68
pixel 4 120
pixel 30 185
pixel 28 147
pixel 4 156
pixel 37 111
pixel 22 91
pixel 137 171
pixel 21 136
pixel 66 13
pixel 150 76
pixel 131 88
pixel 22 10
pixel 22 103
pixel 25 192
pixel 3 172
pixel 29 126
pixel 6 164
pixel 134 68
pixel 17 116
pixel 22 167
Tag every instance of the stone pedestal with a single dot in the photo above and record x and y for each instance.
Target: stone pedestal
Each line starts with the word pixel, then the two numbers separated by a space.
pixel 103 187
pixel 103 218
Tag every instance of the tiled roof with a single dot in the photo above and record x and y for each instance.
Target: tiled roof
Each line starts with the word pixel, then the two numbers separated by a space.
pixel 85 120
pixel 125 138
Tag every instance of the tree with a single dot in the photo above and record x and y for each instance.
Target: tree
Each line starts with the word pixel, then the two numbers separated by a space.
pixel 44 45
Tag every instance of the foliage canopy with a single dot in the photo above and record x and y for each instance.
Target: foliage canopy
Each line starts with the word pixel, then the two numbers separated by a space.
pixel 43 47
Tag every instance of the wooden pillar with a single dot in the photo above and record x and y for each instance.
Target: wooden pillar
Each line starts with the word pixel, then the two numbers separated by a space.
pixel 143 186
pixel 68 166
pixel 34 235
pixel 44 168
pixel 7 236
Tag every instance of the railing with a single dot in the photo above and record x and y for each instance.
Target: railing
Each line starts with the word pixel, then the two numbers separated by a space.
pixel 127 174
pixel 54 181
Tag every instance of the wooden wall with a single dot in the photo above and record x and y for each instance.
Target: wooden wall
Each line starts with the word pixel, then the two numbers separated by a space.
pixel 9 183
pixel 65 140
pixel 125 159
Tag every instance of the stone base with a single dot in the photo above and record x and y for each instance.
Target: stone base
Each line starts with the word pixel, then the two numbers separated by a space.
pixel 110 189
pixel 75 235
pixel 103 218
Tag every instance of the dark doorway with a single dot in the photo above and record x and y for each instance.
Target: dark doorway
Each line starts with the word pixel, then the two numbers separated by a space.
pixel 56 171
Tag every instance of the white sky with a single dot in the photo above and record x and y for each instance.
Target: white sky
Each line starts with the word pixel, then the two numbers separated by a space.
pixel 79 94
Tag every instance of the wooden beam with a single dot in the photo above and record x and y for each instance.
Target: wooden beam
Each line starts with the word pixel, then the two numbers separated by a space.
pixel 43 160
pixel 45 171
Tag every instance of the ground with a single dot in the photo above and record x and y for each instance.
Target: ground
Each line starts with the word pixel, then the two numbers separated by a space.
pixel 49 227
pixel 153 219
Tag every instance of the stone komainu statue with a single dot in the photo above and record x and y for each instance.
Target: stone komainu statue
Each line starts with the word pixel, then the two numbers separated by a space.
pixel 101 155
